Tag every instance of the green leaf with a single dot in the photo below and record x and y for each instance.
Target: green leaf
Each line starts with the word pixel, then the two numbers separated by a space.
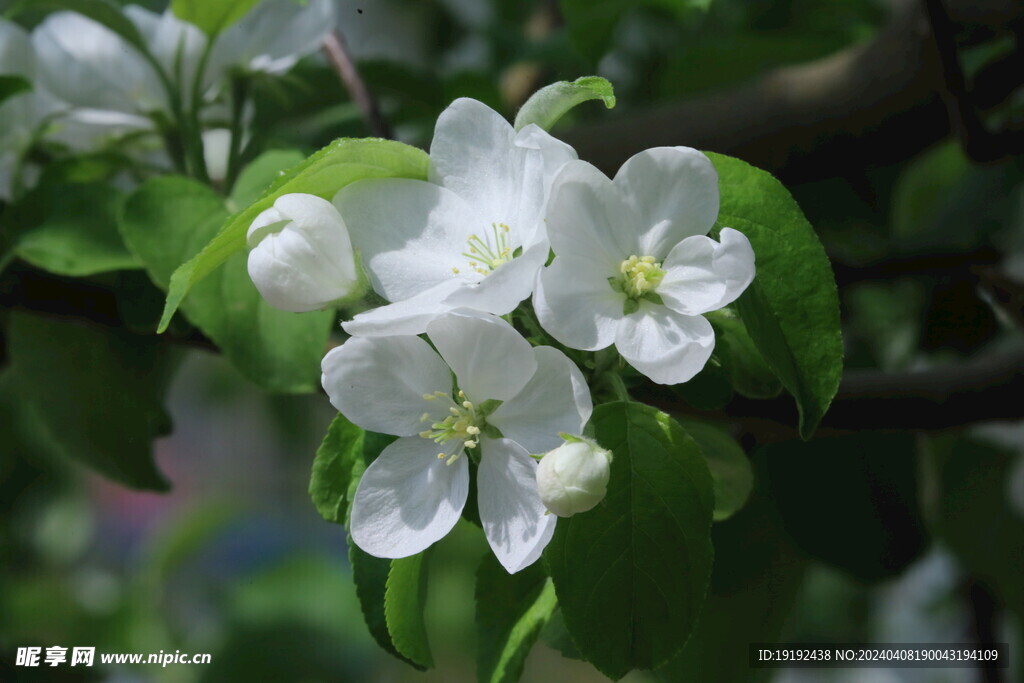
pixel 337 468
pixel 404 601
pixel 632 573
pixel 370 575
pixel 791 310
pixel 591 23
pixel 755 584
pixel 13 85
pixel 551 102
pixel 98 392
pixel 323 174
pixel 261 174
pixel 166 221
pixel 511 612
pixel 744 365
pixel 71 230
pixel 212 16
pixel 730 468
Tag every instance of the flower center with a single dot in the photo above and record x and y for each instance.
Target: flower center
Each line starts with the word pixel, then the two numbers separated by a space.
pixel 485 255
pixel 640 276
pixel 463 423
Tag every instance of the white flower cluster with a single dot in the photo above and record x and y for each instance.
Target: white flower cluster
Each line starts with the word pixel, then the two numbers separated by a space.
pixel 89 83
pixel 632 267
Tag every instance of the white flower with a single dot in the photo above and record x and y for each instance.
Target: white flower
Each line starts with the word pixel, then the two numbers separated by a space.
pixel 89 66
pixel 473 236
pixel 634 266
pixel 301 258
pixel 573 477
pixel 506 400
pixel 273 36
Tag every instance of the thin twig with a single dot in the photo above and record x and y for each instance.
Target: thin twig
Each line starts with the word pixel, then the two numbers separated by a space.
pixel 341 59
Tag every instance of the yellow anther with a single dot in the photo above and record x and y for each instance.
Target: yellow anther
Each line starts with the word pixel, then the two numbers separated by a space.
pixel 429 397
pixel 473 430
pixel 462 394
pixel 441 456
pixel 469 444
pixel 424 417
pixel 455 270
pixel 454 411
pixel 467 405
pixel 640 275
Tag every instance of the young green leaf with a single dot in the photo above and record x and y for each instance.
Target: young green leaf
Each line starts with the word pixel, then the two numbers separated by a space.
pixel 167 220
pixel 404 601
pixel 730 468
pixel 98 393
pixel 336 470
pixel 791 310
pixel 261 174
pixel 322 174
pixel 511 612
pixel 71 229
pixel 632 573
pixel 212 16
pixel 551 102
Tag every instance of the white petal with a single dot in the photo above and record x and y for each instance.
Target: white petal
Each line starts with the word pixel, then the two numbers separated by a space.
pixel 489 358
pixel 409 316
pixel 667 347
pixel 474 155
pixel 86 64
pixel 511 512
pixel 540 166
pixel 674 190
pixel 177 45
pixel 408 499
pixel 587 217
pixel 556 399
pixel 502 290
pixel 273 36
pixel 703 275
pixel 411 233
pixel 16 56
pixel 576 305
pixel 379 382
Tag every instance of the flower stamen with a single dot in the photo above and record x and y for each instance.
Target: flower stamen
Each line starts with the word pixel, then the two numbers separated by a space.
pixel 487 254
pixel 462 423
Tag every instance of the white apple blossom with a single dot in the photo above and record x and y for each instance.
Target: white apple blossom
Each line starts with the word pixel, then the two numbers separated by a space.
pixel 300 257
pixel 472 236
pixel 485 395
pixel 573 477
pixel 634 266
pixel 109 81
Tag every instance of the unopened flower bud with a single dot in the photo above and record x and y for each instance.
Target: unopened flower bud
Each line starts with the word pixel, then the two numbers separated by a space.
pixel 301 257
pixel 573 477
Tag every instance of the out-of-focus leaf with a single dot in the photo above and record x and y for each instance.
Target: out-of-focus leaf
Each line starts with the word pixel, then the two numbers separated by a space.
pixel 851 501
pixel 708 390
pixel 551 102
pixel 212 16
pixel 167 220
pixel 591 24
pixel 791 309
pixel 976 519
pixel 12 85
pixel 631 574
pixel 511 611
pixel 70 229
pixel 98 392
pixel 729 466
pixel 322 174
pixel 404 601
